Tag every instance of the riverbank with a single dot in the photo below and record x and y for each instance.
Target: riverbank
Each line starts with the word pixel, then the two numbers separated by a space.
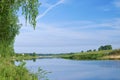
pixel 91 55
pixel 94 55
pixel 9 71
pixel 112 57
pixel 23 57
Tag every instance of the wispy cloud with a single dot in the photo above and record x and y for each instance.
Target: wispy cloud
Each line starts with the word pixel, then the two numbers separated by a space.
pixel 91 25
pixel 112 6
pixel 117 3
pixel 50 8
pixel 71 33
pixel 57 38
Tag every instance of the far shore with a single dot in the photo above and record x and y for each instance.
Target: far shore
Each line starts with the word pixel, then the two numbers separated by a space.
pixel 112 57
pixel 92 55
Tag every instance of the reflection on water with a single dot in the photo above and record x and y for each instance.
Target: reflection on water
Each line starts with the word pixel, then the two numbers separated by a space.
pixel 105 63
pixel 34 60
pixel 63 69
pixel 111 64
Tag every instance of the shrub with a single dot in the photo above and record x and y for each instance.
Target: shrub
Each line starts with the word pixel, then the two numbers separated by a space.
pixel 8 71
pixel 115 52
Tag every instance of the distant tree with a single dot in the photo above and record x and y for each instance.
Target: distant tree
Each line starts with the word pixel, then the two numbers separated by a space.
pixel 106 47
pixel 34 60
pixel 82 51
pixel 100 48
pixel 94 50
pixel 89 50
pixel 71 53
pixel 34 54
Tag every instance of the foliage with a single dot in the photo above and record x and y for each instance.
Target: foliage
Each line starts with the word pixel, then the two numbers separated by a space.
pixel 82 51
pixel 115 52
pixel 94 55
pixel 94 50
pixel 89 50
pixel 42 74
pixel 87 56
pixel 34 54
pixel 8 71
pixel 106 47
pixel 9 8
pixel 20 57
pixel 9 26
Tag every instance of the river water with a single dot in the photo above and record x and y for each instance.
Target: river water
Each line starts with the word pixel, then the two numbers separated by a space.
pixel 64 69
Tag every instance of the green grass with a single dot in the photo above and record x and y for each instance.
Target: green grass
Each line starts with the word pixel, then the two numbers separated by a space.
pixel 9 71
pixel 19 58
pixel 115 52
pixel 94 55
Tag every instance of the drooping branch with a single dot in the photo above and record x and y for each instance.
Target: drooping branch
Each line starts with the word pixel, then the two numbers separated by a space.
pixel 9 26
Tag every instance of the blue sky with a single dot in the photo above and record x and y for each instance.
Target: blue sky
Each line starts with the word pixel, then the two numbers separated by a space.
pixel 71 26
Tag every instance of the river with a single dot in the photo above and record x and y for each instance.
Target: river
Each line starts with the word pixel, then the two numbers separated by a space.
pixel 64 69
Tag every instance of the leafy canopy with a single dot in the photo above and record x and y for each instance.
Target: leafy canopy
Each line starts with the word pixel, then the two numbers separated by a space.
pixel 29 9
pixel 9 26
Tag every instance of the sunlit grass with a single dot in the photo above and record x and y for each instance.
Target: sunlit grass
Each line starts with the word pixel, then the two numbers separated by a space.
pixel 93 55
pixel 9 71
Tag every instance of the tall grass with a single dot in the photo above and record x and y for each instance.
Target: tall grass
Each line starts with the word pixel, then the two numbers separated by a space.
pixel 115 52
pixel 9 71
pixel 95 55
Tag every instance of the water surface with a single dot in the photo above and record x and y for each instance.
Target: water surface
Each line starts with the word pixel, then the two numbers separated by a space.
pixel 63 69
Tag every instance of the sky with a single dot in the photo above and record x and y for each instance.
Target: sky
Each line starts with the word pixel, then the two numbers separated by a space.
pixel 65 26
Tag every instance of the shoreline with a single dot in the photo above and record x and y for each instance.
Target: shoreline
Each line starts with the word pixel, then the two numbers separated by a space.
pixel 97 55
pixel 112 57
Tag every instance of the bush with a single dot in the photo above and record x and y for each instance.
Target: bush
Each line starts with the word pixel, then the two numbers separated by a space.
pixel 115 52
pixel 8 71
pixel 106 47
pixel 87 56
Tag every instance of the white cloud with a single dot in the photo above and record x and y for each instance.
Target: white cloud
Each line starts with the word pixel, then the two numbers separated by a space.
pixel 50 8
pixel 57 37
pixel 111 23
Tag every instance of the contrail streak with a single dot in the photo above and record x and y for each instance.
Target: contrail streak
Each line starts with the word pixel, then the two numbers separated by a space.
pixel 50 8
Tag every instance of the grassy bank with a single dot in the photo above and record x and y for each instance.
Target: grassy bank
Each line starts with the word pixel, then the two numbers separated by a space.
pixel 9 71
pixel 24 57
pixel 113 55
pixel 94 55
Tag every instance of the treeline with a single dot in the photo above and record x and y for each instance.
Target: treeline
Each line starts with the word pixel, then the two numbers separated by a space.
pixel 101 48
pixel 106 47
pixel 103 52
pixel 33 54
